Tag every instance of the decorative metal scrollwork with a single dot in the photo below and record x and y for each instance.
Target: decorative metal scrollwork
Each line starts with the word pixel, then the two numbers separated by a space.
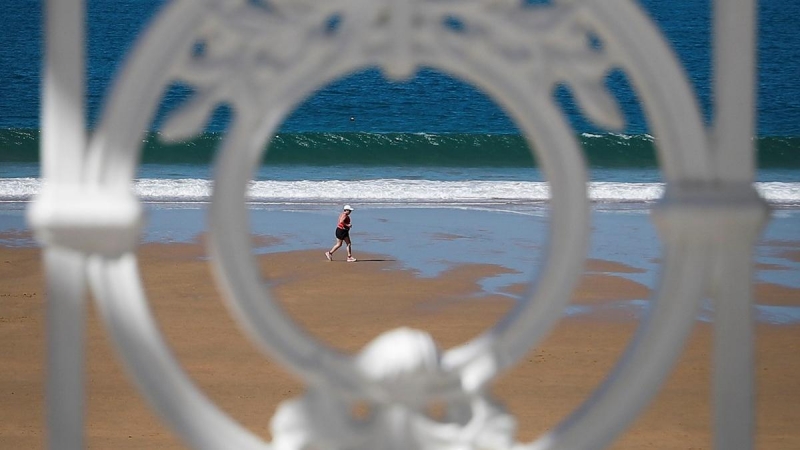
pixel 262 59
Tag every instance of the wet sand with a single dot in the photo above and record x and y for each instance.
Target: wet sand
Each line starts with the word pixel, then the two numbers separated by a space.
pixel 347 305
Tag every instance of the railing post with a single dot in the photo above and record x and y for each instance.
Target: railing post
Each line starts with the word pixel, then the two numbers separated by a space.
pixel 734 154
pixel 62 148
pixel 63 114
pixel 734 96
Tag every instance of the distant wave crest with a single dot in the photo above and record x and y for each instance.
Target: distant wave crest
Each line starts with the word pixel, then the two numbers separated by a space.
pixel 408 149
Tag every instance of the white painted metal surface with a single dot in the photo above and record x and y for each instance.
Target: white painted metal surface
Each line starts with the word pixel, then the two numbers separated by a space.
pixel 263 62
pixel 63 146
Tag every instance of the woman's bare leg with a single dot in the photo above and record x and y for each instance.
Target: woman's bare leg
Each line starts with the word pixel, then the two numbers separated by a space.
pixel 349 247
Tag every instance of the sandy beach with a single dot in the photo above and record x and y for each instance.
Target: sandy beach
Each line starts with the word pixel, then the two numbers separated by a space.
pixel 346 305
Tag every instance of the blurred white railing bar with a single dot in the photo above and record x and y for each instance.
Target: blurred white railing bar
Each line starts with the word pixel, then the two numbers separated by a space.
pixel 63 144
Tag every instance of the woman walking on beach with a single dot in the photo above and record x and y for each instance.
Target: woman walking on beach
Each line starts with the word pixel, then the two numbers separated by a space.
pixel 343 234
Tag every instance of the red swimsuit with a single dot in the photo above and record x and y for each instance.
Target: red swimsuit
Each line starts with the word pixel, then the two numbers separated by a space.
pixel 345 223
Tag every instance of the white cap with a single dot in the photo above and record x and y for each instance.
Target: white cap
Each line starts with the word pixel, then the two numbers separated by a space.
pixel 347 208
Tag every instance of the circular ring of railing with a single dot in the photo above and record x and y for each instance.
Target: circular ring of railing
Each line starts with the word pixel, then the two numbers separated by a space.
pixel 113 156
pixel 230 248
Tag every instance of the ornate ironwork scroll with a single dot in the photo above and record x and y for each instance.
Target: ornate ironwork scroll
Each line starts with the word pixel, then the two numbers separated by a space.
pixel 262 59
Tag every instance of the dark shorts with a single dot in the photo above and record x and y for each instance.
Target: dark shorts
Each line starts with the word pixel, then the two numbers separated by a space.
pixel 341 234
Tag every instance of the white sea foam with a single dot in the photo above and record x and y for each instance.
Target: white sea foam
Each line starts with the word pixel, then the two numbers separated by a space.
pixel 392 191
pixel 18 189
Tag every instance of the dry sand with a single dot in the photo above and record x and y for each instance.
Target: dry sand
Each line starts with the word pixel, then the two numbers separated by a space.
pixel 347 305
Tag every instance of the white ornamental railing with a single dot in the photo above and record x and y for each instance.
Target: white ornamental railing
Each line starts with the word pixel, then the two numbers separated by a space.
pixel 263 61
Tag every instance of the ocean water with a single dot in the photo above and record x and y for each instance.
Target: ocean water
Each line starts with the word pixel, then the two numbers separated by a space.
pixel 451 168
pixel 431 140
